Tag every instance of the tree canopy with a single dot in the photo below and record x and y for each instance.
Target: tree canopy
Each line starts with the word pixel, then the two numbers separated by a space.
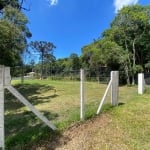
pixel 13 35
pixel 125 45
pixel 45 49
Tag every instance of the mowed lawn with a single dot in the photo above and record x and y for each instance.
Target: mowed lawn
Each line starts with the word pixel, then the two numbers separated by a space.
pixel 59 101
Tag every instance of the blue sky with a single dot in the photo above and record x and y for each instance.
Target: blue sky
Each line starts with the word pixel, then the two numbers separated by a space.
pixel 72 24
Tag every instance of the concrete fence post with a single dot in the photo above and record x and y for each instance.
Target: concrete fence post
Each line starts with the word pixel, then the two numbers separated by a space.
pixel 81 94
pixel 5 79
pixel 2 131
pixel 141 83
pixel 114 88
pixel 113 84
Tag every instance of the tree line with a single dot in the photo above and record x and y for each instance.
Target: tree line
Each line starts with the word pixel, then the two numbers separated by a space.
pixel 124 46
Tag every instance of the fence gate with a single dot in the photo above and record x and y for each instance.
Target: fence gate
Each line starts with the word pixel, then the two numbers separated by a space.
pixel 5 79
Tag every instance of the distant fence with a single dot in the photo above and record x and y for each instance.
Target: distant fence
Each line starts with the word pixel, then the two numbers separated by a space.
pixel 64 102
pixel 92 89
pixel 90 75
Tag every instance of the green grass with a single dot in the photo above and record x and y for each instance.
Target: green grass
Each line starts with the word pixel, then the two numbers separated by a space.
pixel 59 101
pixel 133 119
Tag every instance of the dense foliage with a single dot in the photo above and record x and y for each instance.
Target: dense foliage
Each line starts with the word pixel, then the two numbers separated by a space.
pixel 46 52
pixel 13 33
pixel 124 46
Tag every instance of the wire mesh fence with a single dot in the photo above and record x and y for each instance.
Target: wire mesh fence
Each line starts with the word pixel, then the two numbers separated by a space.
pixel 66 91
pixel 58 98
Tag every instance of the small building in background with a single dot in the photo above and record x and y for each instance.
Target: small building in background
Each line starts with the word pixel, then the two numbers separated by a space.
pixel 33 75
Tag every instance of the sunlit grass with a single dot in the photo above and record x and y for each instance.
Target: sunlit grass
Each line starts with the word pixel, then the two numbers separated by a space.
pixel 59 101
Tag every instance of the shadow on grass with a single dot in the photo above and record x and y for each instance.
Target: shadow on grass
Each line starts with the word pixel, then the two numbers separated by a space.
pixel 121 103
pixel 32 92
pixel 24 130
pixel 108 107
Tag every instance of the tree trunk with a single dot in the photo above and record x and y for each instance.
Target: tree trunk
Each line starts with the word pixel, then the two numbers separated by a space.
pixel 133 79
pixel 127 67
pixel 133 47
pixel 22 74
pixel 127 74
pixel 42 66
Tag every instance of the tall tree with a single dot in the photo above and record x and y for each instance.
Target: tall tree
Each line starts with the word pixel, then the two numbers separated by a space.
pixel 100 53
pixel 130 29
pixel 74 62
pixel 61 66
pixel 13 34
pixel 92 57
pixel 45 49
pixel 48 63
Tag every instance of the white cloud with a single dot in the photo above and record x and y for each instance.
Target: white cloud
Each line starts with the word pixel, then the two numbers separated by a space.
pixel 120 3
pixel 53 2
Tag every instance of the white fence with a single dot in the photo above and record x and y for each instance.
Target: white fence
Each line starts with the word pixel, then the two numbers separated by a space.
pixel 113 84
pixel 5 83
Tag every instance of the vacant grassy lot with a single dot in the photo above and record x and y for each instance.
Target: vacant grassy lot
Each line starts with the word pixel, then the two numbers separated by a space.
pixel 59 102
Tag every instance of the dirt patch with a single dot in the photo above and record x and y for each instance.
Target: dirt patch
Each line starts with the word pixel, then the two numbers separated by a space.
pixel 79 136
pixel 99 133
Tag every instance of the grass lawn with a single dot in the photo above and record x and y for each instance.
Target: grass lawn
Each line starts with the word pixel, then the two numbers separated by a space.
pixel 59 102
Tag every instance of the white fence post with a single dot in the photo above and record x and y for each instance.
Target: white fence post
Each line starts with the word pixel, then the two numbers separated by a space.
pixel 113 84
pixel 2 132
pixel 114 88
pixel 7 76
pixel 81 94
pixel 141 83
pixel 104 97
